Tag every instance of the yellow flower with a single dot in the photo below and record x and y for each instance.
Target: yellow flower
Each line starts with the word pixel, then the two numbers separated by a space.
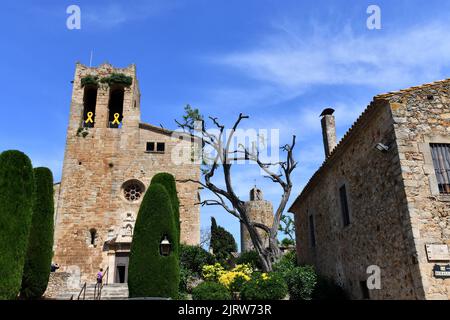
pixel 212 272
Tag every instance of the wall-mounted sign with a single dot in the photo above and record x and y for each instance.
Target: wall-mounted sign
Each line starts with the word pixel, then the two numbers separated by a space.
pixel 441 271
pixel 437 252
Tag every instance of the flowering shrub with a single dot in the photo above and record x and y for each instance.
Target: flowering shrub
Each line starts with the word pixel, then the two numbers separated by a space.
pixel 232 280
pixel 212 272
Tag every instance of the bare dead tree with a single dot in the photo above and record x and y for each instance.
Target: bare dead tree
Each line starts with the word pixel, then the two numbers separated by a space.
pixel 205 237
pixel 226 197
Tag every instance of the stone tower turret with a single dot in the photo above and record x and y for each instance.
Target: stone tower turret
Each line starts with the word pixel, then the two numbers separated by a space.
pixel 259 210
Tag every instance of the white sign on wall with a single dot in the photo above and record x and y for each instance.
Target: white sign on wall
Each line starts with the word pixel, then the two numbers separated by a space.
pixel 437 252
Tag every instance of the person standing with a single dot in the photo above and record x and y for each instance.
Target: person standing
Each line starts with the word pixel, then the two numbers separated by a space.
pixel 100 276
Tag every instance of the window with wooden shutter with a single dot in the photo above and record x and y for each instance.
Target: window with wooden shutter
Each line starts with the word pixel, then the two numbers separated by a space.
pixel 440 153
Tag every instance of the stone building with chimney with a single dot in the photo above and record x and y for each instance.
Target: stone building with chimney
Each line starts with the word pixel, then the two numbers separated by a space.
pixel 381 199
pixel 110 159
pixel 260 211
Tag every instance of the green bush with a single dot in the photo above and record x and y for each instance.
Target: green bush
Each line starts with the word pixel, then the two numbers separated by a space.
pixel 39 255
pixel 301 282
pixel 89 80
pixel 118 78
pixel 210 291
pixel 168 181
pixel 17 189
pixel 286 264
pixel 185 275
pixel 272 288
pixel 327 289
pixel 222 242
pixel 151 274
pixel 194 258
pixel 250 257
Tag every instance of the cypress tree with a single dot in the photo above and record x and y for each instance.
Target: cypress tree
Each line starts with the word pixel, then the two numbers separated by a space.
pixel 16 199
pixel 151 274
pixel 168 181
pixel 39 256
pixel 222 242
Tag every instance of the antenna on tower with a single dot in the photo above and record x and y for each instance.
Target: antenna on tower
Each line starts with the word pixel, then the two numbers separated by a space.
pixel 90 60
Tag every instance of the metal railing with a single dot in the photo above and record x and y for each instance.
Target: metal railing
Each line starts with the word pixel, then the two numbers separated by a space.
pixel 99 286
pixel 82 291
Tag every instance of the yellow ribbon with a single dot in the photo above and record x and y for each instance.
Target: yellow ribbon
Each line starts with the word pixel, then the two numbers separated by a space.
pixel 89 117
pixel 116 118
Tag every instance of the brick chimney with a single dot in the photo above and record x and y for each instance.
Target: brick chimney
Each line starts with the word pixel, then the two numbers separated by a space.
pixel 328 131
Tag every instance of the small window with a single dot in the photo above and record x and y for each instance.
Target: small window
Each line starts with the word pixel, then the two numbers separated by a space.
pixel 160 146
pixel 150 147
pixel 312 233
pixel 441 160
pixel 93 236
pixel 156 147
pixel 344 205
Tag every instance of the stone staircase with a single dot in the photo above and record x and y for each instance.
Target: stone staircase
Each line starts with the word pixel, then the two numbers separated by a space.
pixel 112 291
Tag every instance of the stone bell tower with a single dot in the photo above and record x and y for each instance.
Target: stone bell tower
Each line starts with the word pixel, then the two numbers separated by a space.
pixel 259 210
pixel 110 159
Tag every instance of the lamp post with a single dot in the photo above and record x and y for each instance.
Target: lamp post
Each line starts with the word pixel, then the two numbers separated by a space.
pixel 165 246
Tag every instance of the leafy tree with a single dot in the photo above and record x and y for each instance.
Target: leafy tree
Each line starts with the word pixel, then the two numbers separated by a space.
pixel 17 189
pixel 222 242
pixel 193 258
pixel 287 226
pixel 150 273
pixel 39 255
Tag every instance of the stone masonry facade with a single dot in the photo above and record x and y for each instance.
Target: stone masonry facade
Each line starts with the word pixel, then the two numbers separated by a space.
pixel 260 211
pixel 393 204
pixel 105 174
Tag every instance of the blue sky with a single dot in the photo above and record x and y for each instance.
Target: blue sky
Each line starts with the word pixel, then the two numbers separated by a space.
pixel 280 62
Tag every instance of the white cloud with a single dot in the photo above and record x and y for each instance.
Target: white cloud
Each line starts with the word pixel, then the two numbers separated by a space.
pixel 386 60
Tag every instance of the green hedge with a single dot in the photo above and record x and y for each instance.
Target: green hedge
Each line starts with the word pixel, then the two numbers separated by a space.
pixel 16 199
pixel 151 274
pixel 168 181
pixel 39 255
pixel 210 291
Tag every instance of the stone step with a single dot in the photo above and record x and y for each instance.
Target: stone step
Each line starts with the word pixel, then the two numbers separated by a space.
pixel 113 291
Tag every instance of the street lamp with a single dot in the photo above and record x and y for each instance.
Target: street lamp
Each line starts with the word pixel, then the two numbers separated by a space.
pixel 165 246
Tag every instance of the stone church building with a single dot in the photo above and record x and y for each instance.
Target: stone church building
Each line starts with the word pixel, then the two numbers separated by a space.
pixel 110 159
pixel 382 198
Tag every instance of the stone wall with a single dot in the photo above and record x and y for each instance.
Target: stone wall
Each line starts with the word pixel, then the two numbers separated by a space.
pixel 422 116
pixel 260 211
pixel 377 207
pixel 97 166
